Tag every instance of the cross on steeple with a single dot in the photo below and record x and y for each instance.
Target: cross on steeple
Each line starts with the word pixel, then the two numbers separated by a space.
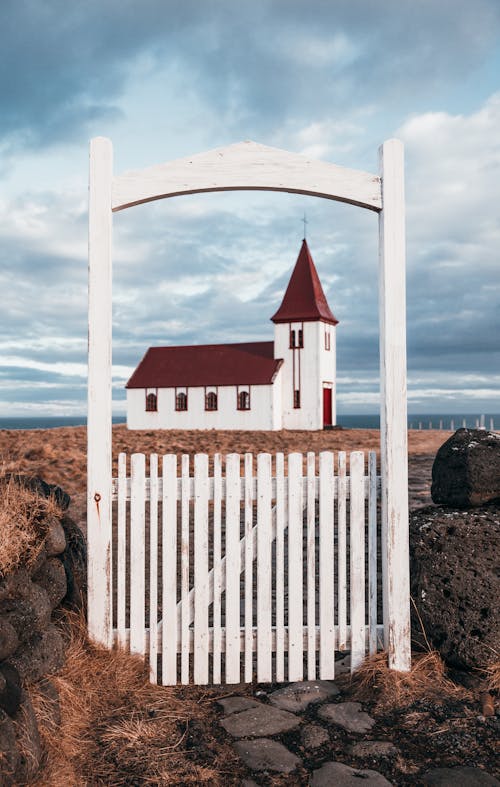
pixel 304 220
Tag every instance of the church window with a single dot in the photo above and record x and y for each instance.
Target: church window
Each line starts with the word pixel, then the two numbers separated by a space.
pixel 181 401
pixel 211 401
pixel 327 340
pixel 296 399
pixel 296 338
pixel 244 400
pixel 151 403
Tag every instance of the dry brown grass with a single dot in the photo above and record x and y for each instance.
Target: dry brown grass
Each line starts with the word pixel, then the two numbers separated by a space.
pixel 118 729
pixel 427 680
pixel 23 524
pixel 493 676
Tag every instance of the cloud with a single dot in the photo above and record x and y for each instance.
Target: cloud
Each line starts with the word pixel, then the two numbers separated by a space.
pixel 65 67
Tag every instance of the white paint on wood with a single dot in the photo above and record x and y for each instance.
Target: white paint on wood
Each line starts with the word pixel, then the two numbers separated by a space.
pixel 372 550
pixel 280 518
pixel 380 634
pixel 169 544
pixel 295 568
pixel 121 557
pixel 137 553
pixel 187 610
pixel 233 568
pixel 264 594
pixel 247 165
pixel 201 595
pixel 248 567
pixel 393 410
pixel 357 558
pixel 153 568
pixel 342 549
pixel 311 565
pixel 326 567
pixel 217 581
pixel 99 472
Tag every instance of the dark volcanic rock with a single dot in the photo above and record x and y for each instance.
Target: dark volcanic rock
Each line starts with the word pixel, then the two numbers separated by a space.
pixel 9 753
pixel 455 581
pixel 10 689
pixel 55 540
pixel 74 560
pixel 466 470
pixel 28 740
pixel 30 614
pixel 459 777
pixel 9 640
pixel 42 655
pixel 52 578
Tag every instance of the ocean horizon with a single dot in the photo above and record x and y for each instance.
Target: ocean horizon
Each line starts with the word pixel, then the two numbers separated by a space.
pixel 361 421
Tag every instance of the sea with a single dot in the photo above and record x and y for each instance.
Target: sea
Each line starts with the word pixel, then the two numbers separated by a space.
pixel 365 421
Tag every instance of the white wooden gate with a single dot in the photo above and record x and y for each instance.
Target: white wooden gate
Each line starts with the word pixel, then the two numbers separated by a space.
pixel 248 165
pixel 229 569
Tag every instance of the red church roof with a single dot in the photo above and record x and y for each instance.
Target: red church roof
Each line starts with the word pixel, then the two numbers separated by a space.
pixel 252 363
pixel 304 299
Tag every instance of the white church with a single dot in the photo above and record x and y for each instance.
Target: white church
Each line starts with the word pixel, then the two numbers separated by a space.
pixel 288 383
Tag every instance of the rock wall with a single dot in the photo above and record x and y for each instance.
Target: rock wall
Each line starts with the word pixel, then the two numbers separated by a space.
pixel 32 643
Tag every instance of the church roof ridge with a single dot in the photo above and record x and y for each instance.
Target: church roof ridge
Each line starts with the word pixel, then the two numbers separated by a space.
pixel 304 299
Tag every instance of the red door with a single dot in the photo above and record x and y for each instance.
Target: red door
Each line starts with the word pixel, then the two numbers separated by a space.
pixel 327 406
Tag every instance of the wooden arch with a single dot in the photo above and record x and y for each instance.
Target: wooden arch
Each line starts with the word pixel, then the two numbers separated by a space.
pixel 250 166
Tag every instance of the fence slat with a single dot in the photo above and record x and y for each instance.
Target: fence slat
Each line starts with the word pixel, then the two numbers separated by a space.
pixel 137 554
pixel 169 560
pixel 295 568
pixel 201 599
pixel 153 568
pixel 233 491
pixel 311 566
pixel 326 567
pixel 280 567
pixel 264 594
pixel 121 557
pixel 342 550
pixel 217 584
pixel 357 558
pixel 248 566
pixel 185 616
pixel 372 550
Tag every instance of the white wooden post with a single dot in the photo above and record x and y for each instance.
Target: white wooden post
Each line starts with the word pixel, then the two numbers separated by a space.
pixel 393 415
pixel 99 394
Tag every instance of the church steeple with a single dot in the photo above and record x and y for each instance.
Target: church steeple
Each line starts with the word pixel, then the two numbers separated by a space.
pixel 304 299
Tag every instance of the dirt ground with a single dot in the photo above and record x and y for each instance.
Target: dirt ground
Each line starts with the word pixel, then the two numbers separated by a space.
pixel 59 455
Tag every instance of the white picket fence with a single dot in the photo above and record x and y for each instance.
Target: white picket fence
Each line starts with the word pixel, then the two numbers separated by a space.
pixel 239 575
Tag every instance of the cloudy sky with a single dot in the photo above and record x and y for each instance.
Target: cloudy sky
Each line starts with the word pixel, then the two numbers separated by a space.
pixel 328 78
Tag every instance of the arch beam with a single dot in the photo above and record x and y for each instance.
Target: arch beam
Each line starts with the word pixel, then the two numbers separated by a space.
pixel 247 166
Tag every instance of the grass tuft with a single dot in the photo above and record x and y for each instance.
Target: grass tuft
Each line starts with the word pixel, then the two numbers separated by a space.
pixel 23 524
pixel 427 679
pixel 493 676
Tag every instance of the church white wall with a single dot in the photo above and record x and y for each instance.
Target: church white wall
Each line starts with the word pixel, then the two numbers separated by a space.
pixel 313 366
pixel 264 413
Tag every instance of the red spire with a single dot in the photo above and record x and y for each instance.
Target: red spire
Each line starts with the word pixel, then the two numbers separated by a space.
pixel 304 299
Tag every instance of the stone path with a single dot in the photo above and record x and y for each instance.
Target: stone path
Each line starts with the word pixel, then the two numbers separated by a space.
pixel 312 710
